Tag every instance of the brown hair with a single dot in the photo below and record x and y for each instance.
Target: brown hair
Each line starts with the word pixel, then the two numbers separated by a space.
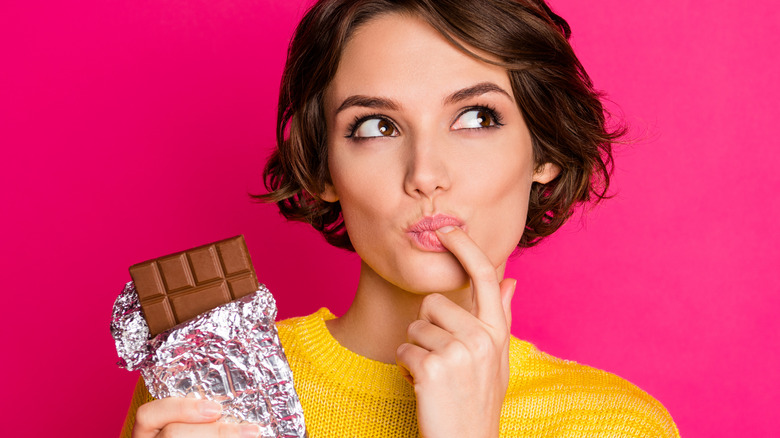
pixel 562 110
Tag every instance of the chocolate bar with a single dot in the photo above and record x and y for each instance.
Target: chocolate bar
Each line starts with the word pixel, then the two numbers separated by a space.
pixel 177 287
pixel 217 337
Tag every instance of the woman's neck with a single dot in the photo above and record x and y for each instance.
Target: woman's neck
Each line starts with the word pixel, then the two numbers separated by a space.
pixel 376 322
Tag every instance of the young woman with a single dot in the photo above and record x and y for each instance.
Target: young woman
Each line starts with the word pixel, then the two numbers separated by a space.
pixel 433 138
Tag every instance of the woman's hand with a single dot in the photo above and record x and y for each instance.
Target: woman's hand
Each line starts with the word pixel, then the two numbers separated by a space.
pixel 187 417
pixel 457 360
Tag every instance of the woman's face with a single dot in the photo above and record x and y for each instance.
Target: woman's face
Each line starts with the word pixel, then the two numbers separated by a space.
pixel 420 135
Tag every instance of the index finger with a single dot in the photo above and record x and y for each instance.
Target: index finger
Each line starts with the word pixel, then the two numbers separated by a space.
pixel 153 416
pixel 484 281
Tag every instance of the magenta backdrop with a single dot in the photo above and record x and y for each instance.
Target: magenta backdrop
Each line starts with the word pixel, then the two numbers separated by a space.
pixel 130 129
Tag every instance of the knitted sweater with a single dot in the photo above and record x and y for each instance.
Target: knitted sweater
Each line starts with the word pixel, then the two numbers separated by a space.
pixel 346 395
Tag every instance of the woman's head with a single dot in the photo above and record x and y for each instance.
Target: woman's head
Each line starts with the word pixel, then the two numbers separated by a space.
pixel 551 90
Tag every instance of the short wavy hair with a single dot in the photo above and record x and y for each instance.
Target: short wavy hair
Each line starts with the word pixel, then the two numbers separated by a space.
pixel 562 110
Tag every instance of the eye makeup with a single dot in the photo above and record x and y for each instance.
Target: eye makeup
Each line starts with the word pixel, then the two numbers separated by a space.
pixel 359 120
pixel 492 113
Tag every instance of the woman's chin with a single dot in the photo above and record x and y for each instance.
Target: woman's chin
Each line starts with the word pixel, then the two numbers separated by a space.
pixel 442 277
pixel 417 272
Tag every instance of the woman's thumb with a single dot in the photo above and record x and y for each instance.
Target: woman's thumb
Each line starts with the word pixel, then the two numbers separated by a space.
pixel 507 290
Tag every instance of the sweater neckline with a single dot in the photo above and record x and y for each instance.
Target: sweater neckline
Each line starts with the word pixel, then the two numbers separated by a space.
pixel 349 368
pixel 330 358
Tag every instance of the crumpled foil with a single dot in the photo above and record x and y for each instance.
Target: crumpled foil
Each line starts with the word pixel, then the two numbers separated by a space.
pixel 230 354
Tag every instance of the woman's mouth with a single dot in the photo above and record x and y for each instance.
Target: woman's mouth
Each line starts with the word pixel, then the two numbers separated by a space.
pixel 423 232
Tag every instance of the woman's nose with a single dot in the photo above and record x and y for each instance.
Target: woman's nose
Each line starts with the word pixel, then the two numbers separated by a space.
pixel 427 171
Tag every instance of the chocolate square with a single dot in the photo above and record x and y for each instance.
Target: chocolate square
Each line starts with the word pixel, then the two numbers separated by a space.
pixel 180 286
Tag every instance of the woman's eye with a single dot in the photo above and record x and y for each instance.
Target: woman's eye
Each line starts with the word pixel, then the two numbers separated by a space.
pixel 475 119
pixel 375 128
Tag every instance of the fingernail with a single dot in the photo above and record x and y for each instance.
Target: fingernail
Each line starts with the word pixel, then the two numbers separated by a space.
pixel 446 229
pixel 209 408
pixel 249 431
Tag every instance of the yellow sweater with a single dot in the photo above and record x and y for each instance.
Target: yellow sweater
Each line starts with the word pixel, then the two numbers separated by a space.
pixel 346 395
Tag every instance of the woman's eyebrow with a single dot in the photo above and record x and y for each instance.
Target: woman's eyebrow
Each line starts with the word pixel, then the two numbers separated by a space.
pixel 475 90
pixel 368 102
pixel 388 104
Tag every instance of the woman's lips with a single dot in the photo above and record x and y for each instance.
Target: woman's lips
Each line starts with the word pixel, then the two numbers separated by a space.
pixel 423 233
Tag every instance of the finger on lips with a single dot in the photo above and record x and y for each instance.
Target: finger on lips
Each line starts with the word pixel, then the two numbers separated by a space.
pixel 487 297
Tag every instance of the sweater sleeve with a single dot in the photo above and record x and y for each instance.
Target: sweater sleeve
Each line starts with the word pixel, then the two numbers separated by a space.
pixel 140 396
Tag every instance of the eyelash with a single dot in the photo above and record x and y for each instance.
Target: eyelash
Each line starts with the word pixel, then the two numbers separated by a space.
pixel 352 128
pixel 497 120
pixel 491 110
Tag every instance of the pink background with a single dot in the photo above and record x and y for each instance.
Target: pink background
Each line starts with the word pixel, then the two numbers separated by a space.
pixel 130 129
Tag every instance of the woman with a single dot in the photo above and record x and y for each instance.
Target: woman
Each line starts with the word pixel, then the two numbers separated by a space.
pixel 433 138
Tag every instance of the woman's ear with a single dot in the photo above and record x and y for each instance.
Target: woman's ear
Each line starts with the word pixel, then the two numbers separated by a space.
pixel 329 194
pixel 546 173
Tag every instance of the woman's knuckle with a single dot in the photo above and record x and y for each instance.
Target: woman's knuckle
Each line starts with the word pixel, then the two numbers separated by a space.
pixel 430 301
pixel 227 430
pixel 142 416
pixel 455 352
pixel 484 339
pixel 169 431
pixel 481 345
pixel 415 327
pixel 431 366
pixel 482 351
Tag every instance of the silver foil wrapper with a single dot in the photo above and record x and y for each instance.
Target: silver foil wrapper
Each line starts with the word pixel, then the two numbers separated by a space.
pixel 230 354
